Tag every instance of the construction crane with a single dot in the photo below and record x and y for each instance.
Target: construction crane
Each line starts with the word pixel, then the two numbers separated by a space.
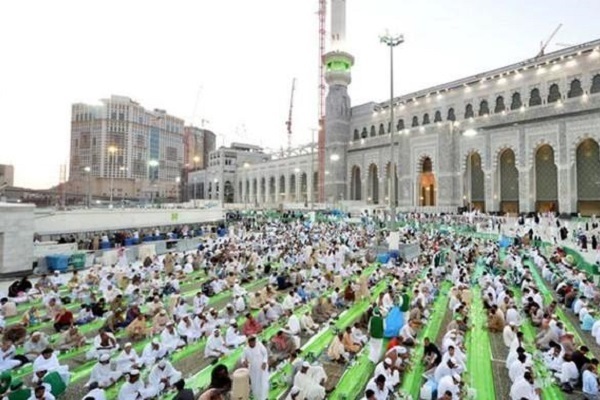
pixel 321 138
pixel 544 45
pixel 288 123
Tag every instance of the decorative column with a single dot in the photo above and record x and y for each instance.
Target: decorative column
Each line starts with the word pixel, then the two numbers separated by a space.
pixel 525 191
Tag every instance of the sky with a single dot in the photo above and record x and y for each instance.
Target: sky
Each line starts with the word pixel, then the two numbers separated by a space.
pixel 231 62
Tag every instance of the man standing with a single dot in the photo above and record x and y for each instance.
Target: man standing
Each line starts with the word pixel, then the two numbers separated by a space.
pixel 376 332
pixel 255 358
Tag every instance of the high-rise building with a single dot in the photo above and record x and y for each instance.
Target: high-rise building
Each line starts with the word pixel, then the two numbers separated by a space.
pixel 120 147
pixel 199 143
pixel 7 175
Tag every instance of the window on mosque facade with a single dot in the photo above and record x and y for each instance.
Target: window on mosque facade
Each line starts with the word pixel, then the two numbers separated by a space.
pixel 356 134
pixel 437 117
pixel 595 84
pixel 381 129
pixel 400 124
pixel 516 102
pixel 451 116
pixel 425 119
pixel 575 89
pixel 534 98
pixel 553 93
pixel 484 109
pixel 373 133
pixel 415 121
pixel 469 111
pixel 499 104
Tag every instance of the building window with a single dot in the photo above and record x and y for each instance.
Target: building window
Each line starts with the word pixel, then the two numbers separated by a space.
pixel 534 98
pixel 373 133
pixel 554 93
pixel 171 154
pixel 516 102
pixel 415 121
pixel 575 90
pixel 595 84
pixel 469 111
pixel 437 117
pixel 499 104
pixel 400 125
pixel 484 109
pixel 381 130
pixel 364 133
pixel 389 127
pixel 121 117
pixel 425 119
pixel 113 115
pixel 451 116
pixel 356 134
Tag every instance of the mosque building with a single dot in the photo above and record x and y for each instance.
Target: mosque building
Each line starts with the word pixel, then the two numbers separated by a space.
pixel 520 138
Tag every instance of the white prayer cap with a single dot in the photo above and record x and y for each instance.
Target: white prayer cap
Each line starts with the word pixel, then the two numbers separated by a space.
pixel 388 361
pixel 128 344
pixel 305 364
pixel 295 390
pixel 162 364
pixel 456 377
pixel 155 341
pixel 233 322
pixel 134 372
pixel 104 357
pixel 170 323
pixel 402 350
pixel 163 312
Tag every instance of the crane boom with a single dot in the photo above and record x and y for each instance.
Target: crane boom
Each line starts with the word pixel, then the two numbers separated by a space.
pixel 544 45
pixel 288 123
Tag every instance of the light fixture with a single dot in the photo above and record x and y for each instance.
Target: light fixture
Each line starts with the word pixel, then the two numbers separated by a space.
pixel 153 163
pixel 87 169
pixel 296 170
pixel 334 157
pixel 362 141
pixel 470 133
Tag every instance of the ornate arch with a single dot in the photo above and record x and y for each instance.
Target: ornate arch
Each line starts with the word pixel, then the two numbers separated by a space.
pixel 464 156
pixel 369 169
pixel 541 141
pixel 574 144
pixel 500 149
pixel 421 157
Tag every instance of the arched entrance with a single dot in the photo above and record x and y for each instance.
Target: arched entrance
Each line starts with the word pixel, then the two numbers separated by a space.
pixel 509 183
pixel 281 197
pixel 304 187
pixel 393 183
pixel 355 184
pixel 546 180
pixel 373 185
pixel 427 187
pixel 228 192
pixel 588 177
pixel 254 190
pixel 241 192
pixel 292 196
pixel 474 194
pixel 272 190
pixel 263 190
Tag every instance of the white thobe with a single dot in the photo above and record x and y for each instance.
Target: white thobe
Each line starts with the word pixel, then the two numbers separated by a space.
pixel 6 360
pixel 256 357
pixel 96 394
pixel 508 335
pixel 188 331
pixel 52 365
pixel 157 375
pixel 522 389
pixel 233 337
pixel 568 373
pixel 125 362
pixel 309 388
pixel 136 391
pixel 103 375
pixel 200 303
pixel 150 356
pixel 392 378
pixel 215 347
pixel 379 394
pixel 294 329
pixel 447 384
pixel 171 341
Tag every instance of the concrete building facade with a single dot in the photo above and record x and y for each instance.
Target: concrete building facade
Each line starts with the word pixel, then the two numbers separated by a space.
pixel 119 146
pixel 7 175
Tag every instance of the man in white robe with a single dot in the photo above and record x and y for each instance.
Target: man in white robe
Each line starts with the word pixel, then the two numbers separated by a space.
pixel 232 335
pixel 48 361
pixel 104 343
pixel 186 329
pixel 103 374
pixel 308 324
pixel 128 359
pixel 392 377
pixel 508 334
pixel 523 388
pixel 135 389
pixel 153 352
pixel 449 383
pixel 293 328
pixel 163 376
pixel 310 389
pixel 170 339
pixel 215 345
pixel 255 358
pixel 200 302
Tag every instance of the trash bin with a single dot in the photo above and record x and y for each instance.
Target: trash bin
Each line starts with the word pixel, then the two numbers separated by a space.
pixel 57 262
pixel 78 260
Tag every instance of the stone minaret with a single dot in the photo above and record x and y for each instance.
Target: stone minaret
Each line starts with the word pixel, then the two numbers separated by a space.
pixel 337 106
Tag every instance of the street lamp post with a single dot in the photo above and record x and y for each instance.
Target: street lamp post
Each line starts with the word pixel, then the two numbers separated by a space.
pixel 112 151
pixel 312 171
pixel 391 42
pixel 88 171
pixel 151 164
